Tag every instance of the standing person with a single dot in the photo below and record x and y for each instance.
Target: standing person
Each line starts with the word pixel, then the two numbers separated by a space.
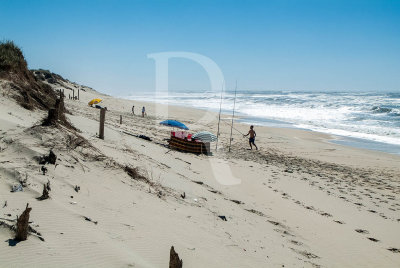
pixel 252 138
pixel 143 111
pixel 133 109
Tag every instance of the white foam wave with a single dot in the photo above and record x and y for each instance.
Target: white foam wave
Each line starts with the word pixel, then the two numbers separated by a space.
pixel 344 114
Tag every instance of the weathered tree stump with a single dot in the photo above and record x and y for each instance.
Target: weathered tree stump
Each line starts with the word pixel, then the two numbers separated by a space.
pixel 45 194
pixel 52 158
pixel 57 114
pixel 52 116
pixel 23 225
pixel 174 261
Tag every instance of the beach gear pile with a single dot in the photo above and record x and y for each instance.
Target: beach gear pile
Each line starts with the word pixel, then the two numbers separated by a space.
pixel 204 136
pixel 198 143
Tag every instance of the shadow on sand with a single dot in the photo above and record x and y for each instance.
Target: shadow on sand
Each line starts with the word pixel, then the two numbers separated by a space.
pixel 12 242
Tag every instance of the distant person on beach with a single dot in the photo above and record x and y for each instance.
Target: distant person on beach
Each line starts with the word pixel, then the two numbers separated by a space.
pixel 133 109
pixel 252 138
pixel 143 111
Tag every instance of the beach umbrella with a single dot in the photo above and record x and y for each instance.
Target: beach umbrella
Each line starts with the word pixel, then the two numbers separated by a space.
pixel 174 123
pixel 204 136
pixel 94 101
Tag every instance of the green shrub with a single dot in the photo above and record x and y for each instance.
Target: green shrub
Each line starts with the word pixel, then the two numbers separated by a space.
pixel 11 57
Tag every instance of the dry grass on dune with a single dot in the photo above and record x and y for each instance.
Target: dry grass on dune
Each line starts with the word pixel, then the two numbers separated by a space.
pixel 24 87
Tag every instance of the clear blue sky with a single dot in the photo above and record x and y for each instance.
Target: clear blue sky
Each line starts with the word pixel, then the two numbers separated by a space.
pixel 265 45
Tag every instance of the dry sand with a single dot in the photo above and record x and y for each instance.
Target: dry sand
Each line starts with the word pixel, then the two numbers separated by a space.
pixel 299 201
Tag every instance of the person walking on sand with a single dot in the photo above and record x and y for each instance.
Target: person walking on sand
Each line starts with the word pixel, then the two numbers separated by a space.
pixel 252 138
pixel 133 109
pixel 143 111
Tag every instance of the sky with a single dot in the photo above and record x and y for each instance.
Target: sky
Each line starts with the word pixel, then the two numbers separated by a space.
pixel 309 45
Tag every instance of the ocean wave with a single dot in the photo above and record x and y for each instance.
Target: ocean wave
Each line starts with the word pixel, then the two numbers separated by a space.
pixel 377 109
pixel 394 95
pixel 370 116
pixel 354 134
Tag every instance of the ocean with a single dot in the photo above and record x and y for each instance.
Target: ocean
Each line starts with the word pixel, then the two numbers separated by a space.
pixel 365 120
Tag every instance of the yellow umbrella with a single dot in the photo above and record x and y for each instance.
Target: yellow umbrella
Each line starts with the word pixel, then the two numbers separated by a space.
pixel 94 101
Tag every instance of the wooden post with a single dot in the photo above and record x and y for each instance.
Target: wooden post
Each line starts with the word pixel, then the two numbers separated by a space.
pixel 78 93
pixel 102 119
pixel 73 94
pixel 69 96
pixel 120 119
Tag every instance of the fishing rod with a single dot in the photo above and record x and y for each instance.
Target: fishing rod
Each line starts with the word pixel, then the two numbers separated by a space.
pixel 233 128
pixel 233 115
pixel 219 116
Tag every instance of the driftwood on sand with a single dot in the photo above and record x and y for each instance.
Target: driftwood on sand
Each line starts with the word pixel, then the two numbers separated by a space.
pixel 23 225
pixel 174 261
pixel 51 159
pixel 45 193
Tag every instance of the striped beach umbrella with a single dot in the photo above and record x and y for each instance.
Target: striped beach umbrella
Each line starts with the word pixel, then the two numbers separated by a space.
pixel 204 136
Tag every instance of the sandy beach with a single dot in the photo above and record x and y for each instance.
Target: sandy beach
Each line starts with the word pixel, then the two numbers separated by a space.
pixel 299 201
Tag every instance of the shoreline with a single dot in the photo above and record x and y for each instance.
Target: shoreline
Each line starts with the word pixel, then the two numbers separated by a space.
pixel 283 137
pixel 350 141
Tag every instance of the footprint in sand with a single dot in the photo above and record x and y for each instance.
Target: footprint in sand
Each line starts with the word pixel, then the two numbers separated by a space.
pixel 361 231
pixel 306 254
pixel 274 222
pixel 237 201
pixel 340 222
pixel 326 214
pixel 373 239
pixel 283 232
pixel 382 215
pixel 394 250
pixel 296 242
